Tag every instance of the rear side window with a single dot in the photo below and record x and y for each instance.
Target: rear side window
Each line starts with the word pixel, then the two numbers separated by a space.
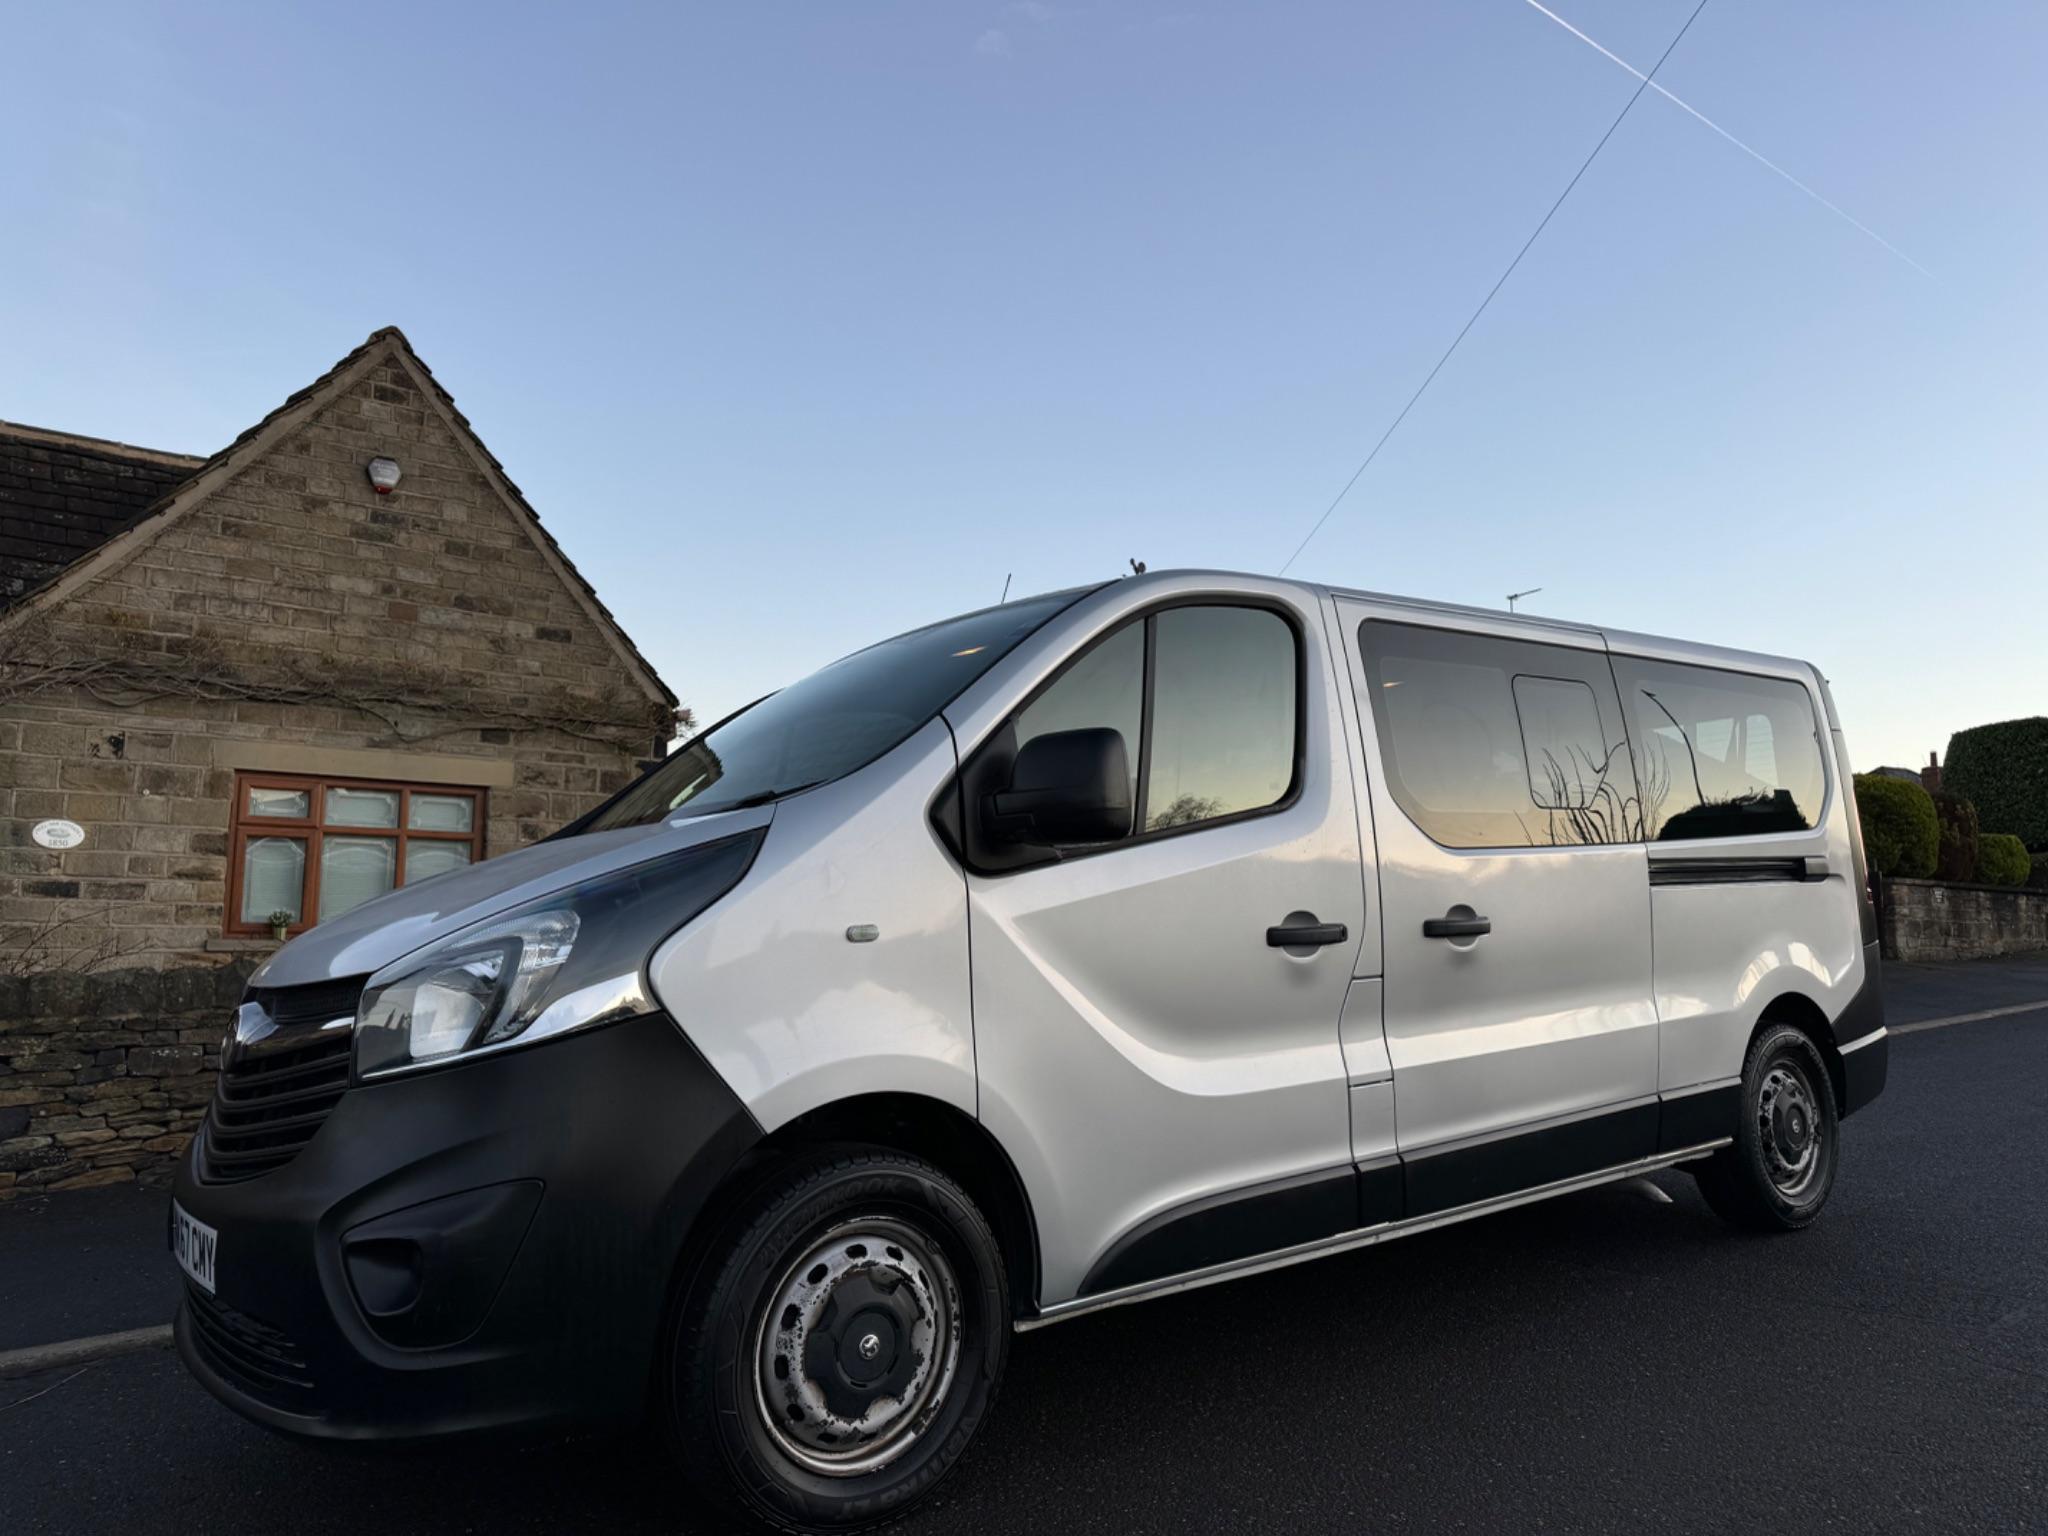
pixel 1719 753
pixel 1215 733
pixel 1561 740
pixel 1493 743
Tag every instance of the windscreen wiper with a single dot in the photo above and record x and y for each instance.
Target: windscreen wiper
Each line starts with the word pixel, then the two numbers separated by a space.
pixel 758 797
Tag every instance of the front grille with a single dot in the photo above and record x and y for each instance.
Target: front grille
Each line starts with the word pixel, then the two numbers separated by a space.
pixel 261 1360
pixel 317 1003
pixel 273 1093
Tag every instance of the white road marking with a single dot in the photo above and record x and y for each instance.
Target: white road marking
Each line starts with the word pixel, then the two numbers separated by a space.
pixel 1968 1018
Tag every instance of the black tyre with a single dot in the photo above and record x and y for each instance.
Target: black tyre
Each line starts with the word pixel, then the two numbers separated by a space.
pixel 843 1346
pixel 1777 1174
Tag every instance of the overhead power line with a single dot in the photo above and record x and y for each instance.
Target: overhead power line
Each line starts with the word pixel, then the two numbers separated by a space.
pixel 1430 377
pixel 1756 155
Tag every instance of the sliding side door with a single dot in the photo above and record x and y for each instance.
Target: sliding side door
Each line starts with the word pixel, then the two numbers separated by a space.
pixel 1515 901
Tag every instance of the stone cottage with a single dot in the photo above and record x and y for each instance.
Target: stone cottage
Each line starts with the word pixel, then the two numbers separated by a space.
pixel 254 689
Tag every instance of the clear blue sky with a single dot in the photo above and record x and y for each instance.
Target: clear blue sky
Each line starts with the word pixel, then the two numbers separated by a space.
pixel 802 324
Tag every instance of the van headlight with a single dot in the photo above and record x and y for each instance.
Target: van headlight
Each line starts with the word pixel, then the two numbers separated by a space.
pixel 573 960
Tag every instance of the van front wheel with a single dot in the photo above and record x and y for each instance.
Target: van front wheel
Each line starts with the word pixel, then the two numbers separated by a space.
pixel 847 1345
pixel 1777 1174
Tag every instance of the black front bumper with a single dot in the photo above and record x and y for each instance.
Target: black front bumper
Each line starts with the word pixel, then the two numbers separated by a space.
pixel 487 1244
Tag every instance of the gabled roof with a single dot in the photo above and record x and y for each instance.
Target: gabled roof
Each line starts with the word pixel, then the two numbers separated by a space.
pixel 512 493
pixel 196 477
pixel 63 496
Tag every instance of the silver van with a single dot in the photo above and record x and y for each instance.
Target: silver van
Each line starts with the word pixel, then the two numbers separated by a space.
pixel 1056 957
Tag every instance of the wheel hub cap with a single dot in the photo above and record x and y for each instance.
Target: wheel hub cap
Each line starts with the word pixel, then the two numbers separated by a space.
pixel 858 1346
pixel 1789 1122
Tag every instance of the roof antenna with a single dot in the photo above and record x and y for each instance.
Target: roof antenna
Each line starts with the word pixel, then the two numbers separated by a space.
pixel 1137 567
pixel 1525 592
pixel 1006 588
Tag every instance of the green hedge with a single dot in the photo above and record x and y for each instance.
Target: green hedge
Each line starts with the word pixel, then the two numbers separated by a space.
pixel 1901 834
pixel 2003 769
pixel 2002 859
pixel 1960 837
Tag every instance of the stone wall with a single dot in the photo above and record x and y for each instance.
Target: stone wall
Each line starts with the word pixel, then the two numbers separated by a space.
pixel 1927 920
pixel 103 1078
pixel 153 786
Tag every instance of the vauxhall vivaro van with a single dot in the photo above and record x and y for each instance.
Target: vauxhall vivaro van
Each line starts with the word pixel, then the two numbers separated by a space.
pixel 1055 957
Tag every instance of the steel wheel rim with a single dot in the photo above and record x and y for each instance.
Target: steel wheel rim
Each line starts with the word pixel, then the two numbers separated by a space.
pixel 1790 1130
pixel 867 1316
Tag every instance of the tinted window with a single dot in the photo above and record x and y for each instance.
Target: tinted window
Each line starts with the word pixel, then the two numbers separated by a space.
pixel 1106 687
pixel 1561 741
pixel 1499 743
pixel 1221 737
pixel 1721 754
pixel 834 721
pixel 1223 701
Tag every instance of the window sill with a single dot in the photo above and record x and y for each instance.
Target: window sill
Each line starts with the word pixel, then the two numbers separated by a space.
pixel 249 946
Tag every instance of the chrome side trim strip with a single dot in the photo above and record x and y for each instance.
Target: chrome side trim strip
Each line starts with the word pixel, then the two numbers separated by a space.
pixel 1668 1094
pixel 1528 1127
pixel 1364 1237
pixel 1876 1034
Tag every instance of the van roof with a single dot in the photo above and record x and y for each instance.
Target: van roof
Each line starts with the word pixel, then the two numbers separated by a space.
pixel 1660 647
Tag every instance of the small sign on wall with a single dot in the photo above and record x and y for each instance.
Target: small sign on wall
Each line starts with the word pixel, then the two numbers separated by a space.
pixel 57 834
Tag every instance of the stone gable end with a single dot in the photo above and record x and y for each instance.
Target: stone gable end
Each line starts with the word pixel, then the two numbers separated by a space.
pixel 297 551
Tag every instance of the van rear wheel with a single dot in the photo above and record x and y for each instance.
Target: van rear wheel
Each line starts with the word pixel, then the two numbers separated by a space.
pixel 1778 1172
pixel 846 1345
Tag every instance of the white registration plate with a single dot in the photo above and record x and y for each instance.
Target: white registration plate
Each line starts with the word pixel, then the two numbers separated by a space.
pixel 195 1244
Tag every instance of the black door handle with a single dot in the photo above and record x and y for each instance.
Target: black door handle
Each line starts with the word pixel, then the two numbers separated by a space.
pixel 1456 927
pixel 1288 937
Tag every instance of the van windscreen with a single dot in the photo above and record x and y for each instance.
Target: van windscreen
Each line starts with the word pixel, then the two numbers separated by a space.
pixel 838 719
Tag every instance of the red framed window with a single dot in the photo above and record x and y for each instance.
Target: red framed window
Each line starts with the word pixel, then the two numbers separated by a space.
pixel 312 847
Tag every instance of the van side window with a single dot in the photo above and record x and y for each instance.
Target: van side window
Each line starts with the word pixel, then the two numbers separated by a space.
pixel 1223 703
pixel 1493 743
pixel 1105 687
pixel 1216 737
pixel 1561 741
pixel 1721 754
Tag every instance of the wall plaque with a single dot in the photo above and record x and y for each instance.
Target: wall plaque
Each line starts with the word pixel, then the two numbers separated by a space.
pixel 57 834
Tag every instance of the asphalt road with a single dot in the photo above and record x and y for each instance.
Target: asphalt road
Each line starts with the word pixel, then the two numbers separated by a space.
pixel 1603 1362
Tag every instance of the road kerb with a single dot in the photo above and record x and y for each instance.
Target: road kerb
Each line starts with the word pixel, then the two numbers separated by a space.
pixel 103 1346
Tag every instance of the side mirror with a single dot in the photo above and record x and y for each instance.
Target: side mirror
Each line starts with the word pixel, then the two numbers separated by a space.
pixel 1065 787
